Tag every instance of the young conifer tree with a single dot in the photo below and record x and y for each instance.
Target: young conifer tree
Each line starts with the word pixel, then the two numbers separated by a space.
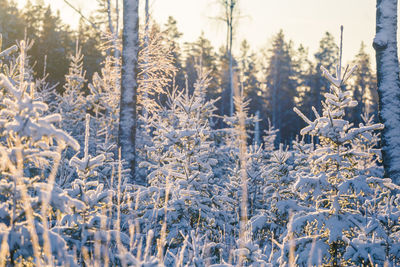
pixel 72 102
pixel 30 150
pixel 180 163
pixel 89 228
pixel 335 187
pixel 157 72
pixel 103 102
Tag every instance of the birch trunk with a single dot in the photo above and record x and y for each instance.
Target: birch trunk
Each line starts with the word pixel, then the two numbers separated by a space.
pixel 127 123
pixel 385 44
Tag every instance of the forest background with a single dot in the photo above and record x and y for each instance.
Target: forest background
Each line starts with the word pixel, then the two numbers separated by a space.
pixel 281 63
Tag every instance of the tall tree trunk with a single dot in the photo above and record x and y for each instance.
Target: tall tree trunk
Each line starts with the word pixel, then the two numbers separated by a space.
pixel 127 123
pixel 274 100
pixel 146 45
pixel 231 7
pixel 231 85
pixel 387 63
pixel 110 22
pixel 113 31
pixel 257 141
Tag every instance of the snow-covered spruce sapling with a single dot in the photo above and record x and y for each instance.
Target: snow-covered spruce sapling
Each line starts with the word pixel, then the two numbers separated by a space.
pixel 71 104
pixel 157 73
pixel 30 144
pixel 375 239
pixel 269 140
pixel 237 163
pixel 103 103
pixel 181 159
pixel 300 158
pixel 271 221
pixel 334 184
pixel 256 170
pixel 301 150
pixel 249 253
pixel 90 227
pixel 367 150
pixel 103 100
pixel 235 137
pixel 246 171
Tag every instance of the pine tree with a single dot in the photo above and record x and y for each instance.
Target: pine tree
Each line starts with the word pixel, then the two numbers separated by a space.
pixel 172 37
pixel 11 23
pixel 281 86
pixel 230 16
pixel 181 168
pixel 89 227
pixel 30 145
pixel 327 56
pixel 363 86
pixel 156 62
pixel 304 75
pixel 236 135
pixel 334 186
pixel 90 41
pixel 53 42
pixel 202 53
pixel 72 103
pixel 249 82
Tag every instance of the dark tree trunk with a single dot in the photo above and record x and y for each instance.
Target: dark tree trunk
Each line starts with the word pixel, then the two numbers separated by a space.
pixel 128 121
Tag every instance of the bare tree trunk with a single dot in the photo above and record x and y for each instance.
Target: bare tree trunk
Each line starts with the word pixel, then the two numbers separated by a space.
pixel 230 33
pixel 257 129
pixel 117 13
pixel 113 31
pixel 229 6
pixel 274 100
pixel 146 45
pixel 110 24
pixel 127 123
pixel 147 15
pixel 387 63
pixel 231 86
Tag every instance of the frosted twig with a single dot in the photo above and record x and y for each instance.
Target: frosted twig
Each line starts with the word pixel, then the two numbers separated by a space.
pixel 8 51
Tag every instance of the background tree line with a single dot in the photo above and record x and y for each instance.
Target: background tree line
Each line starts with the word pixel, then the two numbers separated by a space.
pixel 275 79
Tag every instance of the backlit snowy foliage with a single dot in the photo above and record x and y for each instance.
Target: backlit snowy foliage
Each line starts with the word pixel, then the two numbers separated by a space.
pixel 207 196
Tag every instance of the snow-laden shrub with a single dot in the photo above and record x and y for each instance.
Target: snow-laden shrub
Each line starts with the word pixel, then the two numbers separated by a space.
pixel 184 193
pixel 30 150
pixel 335 188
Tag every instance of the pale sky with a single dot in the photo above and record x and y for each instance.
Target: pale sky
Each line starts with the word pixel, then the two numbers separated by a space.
pixel 303 21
